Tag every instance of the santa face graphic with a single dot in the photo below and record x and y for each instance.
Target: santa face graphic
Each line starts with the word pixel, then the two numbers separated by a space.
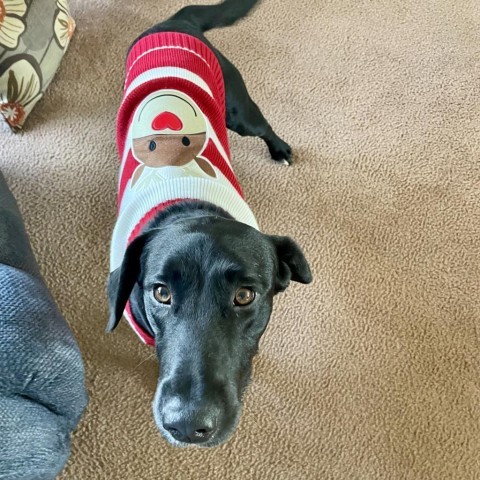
pixel 169 132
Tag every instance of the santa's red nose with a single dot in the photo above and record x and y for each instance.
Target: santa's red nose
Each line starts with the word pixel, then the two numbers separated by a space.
pixel 167 120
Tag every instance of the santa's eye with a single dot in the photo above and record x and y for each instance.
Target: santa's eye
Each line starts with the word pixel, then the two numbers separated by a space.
pixel 152 146
pixel 186 141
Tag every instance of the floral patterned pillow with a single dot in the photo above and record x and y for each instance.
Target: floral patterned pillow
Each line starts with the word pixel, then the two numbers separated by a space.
pixel 34 35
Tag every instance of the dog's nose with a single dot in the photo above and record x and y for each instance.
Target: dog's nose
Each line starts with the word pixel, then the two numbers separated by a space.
pixel 193 430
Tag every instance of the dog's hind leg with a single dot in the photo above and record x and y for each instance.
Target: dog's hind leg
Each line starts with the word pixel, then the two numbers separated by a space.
pixel 245 118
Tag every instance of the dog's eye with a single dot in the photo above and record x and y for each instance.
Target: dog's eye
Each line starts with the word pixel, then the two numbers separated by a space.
pixel 152 146
pixel 186 141
pixel 162 294
pixel 244 296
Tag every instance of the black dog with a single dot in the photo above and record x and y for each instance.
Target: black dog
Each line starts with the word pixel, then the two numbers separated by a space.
pixel 202 283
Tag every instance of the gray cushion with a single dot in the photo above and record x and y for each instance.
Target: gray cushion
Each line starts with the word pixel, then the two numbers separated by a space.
pixel 42 378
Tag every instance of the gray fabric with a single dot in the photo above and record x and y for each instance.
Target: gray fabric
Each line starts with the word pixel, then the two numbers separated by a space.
pixel 15 247
pixel 42 379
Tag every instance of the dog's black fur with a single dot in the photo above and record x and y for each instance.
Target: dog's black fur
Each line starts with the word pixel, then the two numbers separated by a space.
pixel 204 342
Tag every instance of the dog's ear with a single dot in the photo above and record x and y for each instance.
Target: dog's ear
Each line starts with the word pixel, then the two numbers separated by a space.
pixel 292 264
pixel 122 280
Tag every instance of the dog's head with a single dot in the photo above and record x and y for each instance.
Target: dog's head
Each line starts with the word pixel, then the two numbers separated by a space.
pixel 204 288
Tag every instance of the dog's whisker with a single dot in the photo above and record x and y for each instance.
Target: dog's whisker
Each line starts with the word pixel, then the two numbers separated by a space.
pixel 145 360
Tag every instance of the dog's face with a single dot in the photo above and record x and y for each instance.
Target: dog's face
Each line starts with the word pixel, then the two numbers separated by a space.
pixel 204 286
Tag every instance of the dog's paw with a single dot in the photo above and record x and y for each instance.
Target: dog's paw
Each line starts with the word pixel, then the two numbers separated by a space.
pixel 281 152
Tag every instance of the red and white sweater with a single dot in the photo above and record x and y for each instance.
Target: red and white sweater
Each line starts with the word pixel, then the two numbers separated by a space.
pixel 172 139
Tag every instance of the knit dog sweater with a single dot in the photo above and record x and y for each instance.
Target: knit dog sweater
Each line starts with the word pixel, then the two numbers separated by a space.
pixel 172 139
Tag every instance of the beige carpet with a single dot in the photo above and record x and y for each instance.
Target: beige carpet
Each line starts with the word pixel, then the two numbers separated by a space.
pixel 372 372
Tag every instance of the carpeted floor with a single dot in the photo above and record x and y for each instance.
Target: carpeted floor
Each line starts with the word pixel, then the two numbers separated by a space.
pixel 373 371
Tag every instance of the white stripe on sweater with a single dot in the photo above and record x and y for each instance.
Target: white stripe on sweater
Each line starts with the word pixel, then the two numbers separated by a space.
pixel 167 47
pixel 162 72
pixel 197 188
